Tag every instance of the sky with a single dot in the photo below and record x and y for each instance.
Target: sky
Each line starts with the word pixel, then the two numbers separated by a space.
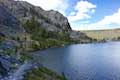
pixel 85 14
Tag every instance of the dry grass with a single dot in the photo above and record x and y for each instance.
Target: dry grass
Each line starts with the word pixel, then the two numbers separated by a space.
pixel 103 34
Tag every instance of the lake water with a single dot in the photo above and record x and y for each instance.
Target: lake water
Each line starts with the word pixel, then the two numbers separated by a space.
pixel 84 61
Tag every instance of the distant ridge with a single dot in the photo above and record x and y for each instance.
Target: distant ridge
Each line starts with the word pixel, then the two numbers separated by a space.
pixel 109 34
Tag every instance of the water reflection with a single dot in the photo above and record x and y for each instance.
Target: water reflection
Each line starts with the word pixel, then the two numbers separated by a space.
pixel 85 61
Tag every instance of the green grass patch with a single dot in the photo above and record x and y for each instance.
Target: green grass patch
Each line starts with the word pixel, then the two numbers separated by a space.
pixel 43 74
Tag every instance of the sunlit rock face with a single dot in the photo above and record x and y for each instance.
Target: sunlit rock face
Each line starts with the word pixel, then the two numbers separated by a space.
pixel 50 20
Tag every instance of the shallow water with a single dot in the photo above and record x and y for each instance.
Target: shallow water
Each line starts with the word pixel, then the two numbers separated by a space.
pixel 84 61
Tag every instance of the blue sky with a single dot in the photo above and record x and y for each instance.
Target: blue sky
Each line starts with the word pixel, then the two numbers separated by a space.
pixel 85 14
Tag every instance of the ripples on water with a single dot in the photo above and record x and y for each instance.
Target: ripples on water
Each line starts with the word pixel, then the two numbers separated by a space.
pixel 85 61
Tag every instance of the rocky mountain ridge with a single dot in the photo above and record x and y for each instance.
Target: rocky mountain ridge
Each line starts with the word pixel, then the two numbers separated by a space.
pixel 50 20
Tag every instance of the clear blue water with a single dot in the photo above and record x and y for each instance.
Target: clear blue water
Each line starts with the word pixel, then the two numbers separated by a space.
pixel 84 61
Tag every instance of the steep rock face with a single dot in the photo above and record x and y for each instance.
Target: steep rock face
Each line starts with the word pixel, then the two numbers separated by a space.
pixel 58 20
pixel 50 20
pixel 8 22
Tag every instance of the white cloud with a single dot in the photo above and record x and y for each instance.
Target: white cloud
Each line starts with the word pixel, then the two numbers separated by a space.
pixel 82 11
pixel 59 5
pixel 108 22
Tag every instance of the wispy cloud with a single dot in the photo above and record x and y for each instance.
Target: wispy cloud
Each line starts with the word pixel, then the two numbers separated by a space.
pixel 108 22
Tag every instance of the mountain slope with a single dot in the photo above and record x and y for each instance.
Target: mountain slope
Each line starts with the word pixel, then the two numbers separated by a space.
pixel 50 20
pixel 112 34
pixel 21 12
pixel 8 22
